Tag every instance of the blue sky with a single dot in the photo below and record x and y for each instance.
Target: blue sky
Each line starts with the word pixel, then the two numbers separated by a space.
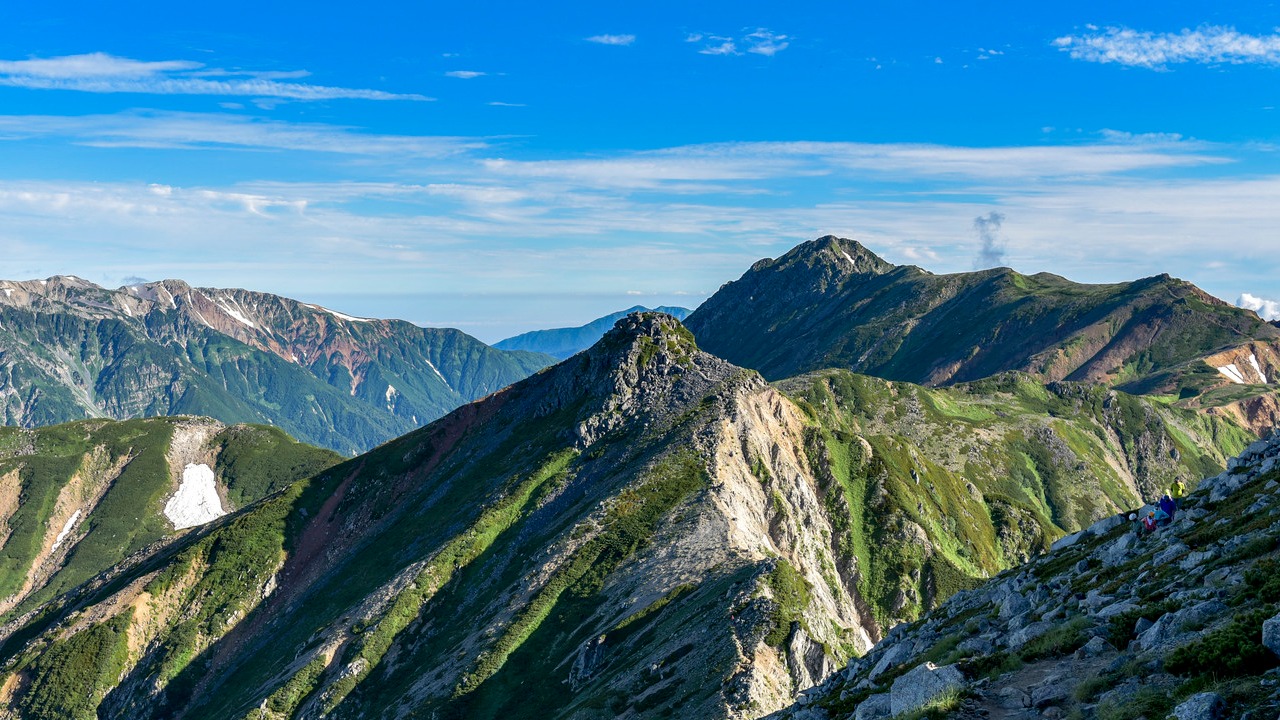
pixel 501 167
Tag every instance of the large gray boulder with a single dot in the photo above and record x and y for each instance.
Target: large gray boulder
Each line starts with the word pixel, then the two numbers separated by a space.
pixel 1271 634
pixel 1202 706
pixel 923 685
pixel 876 707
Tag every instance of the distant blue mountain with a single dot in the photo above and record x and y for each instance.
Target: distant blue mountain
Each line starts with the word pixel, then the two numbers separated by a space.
pixel 563 342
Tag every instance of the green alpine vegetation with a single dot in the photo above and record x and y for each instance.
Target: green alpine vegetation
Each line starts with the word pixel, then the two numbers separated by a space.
pixel 831 303
pixel 77 499
pixel 71 350
pixel 644 531
pixel 560 343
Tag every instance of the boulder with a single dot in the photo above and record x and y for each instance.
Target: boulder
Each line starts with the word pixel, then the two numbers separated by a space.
pixel 1095 647
pixel 1020 638
pixel 876 707
pixel 1106 525
pixel 1014 698
pixel 923 685
pixel 1271 634
pixel 1117 608
pixel 1117 552
pixel 1202 706
pixel 1050 693
pixel 1013 606
pixel 890 658
pixel 1067 541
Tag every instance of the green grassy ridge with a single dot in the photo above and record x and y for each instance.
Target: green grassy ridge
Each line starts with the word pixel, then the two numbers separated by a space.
pixel 892 455
pixel 809 310
pixel 374 641
pixel 627 526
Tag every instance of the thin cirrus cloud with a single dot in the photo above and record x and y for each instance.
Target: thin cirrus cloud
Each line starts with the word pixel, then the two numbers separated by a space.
pixel 465 74
pixel 1208 44
pixel 622 40
pixel 102 73
pixel 212 131
pixel 760 41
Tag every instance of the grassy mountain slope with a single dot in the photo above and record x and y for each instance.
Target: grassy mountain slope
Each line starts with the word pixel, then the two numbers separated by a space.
pixel 832 303
pixel 78 498
pixel 642 531
pixel 560 343
pixel 70 349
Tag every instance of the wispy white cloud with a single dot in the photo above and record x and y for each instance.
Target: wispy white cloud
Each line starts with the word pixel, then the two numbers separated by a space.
pixel 1209 44
pixel 169 130
pixel 1115 208
pixel 612 39
pixel 760 41
pixel 103 73
pixel 1266 309
pixel 465 74
pixel 765 42
pixel 498 103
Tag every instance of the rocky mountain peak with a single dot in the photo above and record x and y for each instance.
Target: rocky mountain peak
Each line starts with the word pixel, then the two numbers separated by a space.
pixel 847 257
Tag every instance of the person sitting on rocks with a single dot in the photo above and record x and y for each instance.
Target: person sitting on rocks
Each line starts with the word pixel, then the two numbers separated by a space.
pixel 1149 523
pixel 1169 507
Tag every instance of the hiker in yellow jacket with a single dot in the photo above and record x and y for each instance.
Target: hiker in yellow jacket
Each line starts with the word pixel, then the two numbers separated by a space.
pixel 1177 491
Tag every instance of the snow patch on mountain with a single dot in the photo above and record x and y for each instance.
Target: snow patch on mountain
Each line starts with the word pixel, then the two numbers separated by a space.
pixel 66 529
pixel 1233 373
pixel 1253 360
pixel 340 316
pixel 196 501
pixel 237 315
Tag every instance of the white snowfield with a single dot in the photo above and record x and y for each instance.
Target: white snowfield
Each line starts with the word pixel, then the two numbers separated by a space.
pixel 196 501
pixel 236 314
pixel 1253 360
pixel 66 530
pixel 341 316
pixel 1233 373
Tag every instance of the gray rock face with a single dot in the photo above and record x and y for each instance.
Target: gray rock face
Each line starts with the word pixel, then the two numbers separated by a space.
pixel 1106 525
pixel 1202 706
pixel 1017 640
pixel 876 707
pixel 1067 541
pixel 891 657
pixel 923 685
pixel 1271 634
pixel 1119 551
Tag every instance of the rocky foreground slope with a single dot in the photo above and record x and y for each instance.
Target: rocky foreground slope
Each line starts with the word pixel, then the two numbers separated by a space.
pixel 70 349
pixel 1184 623
pixel 832 303
pixel 642 531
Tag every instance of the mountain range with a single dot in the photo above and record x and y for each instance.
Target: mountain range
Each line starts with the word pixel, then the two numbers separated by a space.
pixel 645 529
pixel 831 303
pixel 70 349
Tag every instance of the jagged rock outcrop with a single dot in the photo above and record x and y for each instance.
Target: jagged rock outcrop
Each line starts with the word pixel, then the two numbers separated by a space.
pixel 70 349
pixel 1111 623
